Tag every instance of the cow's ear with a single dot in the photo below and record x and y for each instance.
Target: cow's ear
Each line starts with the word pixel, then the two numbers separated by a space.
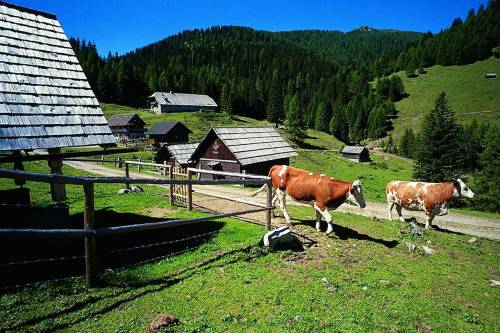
pixel 456 184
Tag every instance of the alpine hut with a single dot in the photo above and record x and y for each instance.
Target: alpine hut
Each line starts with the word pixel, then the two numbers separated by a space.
pixel 168 132
pixel 162 102
pixel 45 99
pixel 356 153
pixel 242 149
pixel 127 127
pixel 178 155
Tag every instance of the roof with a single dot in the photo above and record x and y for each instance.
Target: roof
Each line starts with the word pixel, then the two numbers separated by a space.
pixel 45 99
pixel 353 149
pixel 123 119
pixel 182 152
pixel 165 127
pixel 183 99
pixel 251 144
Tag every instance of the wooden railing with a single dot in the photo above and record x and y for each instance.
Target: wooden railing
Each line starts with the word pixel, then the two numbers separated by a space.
pixel 89 231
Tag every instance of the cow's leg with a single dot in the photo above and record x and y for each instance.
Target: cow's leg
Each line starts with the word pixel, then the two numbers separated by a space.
pixel 428 222
pixel 318 220
pixel 398 209
pixel 282 199
pixel 326 215
pixel 390 205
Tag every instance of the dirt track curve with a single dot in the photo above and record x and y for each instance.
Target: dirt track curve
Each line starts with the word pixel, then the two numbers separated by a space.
pixel 203 197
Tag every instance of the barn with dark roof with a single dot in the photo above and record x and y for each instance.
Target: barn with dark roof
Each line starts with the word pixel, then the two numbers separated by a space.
pixel 356 153
pixel 127 126
pixel 242 149
pixel 168 132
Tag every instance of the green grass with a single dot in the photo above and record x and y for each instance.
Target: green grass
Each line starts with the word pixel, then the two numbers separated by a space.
pixel 470 94
pixel 360 279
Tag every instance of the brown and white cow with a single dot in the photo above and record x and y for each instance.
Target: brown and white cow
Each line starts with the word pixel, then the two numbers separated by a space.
pixel 432 198
pixel 321 191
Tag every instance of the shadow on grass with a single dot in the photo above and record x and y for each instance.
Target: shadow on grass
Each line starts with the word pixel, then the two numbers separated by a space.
pixel 112 251
pixel 345 233
pixel 129 290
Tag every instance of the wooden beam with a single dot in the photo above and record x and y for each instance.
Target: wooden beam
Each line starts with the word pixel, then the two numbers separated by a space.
pixel 90 243
pixel 42 157
pixel 269 205
pixel 57 190
pixel 189 191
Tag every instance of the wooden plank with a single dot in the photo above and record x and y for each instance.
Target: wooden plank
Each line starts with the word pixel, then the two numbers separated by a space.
pixel 42 157
pixel 231 174
pixel 189 191
pixel 171 177
pixel 90 243
pixel 269 205
pixel 246 202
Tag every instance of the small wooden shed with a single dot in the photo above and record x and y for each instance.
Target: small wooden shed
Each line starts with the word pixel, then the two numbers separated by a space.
pixel 168 132
pixel 127 126
pixel 176 154
pixel 163 102
pixel 356 153
pixel 243 150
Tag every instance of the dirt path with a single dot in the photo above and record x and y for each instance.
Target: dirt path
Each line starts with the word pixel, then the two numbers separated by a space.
pixel 203 197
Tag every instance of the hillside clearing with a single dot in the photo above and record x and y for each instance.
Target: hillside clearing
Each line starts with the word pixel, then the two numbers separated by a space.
pixel 469 93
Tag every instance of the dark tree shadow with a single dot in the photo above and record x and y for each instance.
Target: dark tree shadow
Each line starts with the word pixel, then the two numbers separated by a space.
pixel 345 233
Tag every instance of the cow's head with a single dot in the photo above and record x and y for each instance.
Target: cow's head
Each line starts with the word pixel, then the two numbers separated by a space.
pixel 462 189
pixel 355 196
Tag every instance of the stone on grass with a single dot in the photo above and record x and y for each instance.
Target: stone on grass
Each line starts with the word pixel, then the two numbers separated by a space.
pixel 163 322
pixel 473 240
pixel 411 247
pixel 281 238
pixel 494 283
pixel 415 229
pixel 123 191
pixel 428 250
pixel 135 188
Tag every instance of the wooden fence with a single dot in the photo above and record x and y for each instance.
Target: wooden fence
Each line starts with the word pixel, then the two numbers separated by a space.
pixel 89 231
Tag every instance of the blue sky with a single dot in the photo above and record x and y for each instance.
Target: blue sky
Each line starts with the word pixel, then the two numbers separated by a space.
pixel 123 25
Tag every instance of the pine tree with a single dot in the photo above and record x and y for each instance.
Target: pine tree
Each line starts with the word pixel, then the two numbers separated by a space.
pixel 226 101
pixel 407 144
pixel 274 107
pixel 396 88
pixel 295 125
pixel 439 155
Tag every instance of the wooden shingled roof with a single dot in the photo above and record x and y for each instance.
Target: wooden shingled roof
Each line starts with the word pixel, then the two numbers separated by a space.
pixel 45 99
pixel 250 145
pixel 182 152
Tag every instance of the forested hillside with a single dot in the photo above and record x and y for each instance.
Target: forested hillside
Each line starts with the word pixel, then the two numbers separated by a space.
pixel 361 46
pixel 282 75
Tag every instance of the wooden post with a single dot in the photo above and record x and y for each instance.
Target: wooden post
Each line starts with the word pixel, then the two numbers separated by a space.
pixel 269 204
pixel 127 173
pixel 171 177
pixel 18 165
pixel 119 162
pixel 165 168
pixel 90 244
pixel 102 159
pixel 58 191
pixel 189 191
pixel 139 166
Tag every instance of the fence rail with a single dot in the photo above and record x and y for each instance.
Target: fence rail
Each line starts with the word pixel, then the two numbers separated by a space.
pixel 89 231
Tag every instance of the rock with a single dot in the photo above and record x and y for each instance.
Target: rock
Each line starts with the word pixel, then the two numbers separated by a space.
pixel 415 229
pixel 123 191
pixel 411 247
pixel 281 238
pixel 428 250
pixel 163 322
pixel 135 188
pixel 494 283
pixel 473 240
pixel 374 218
pixel 328 284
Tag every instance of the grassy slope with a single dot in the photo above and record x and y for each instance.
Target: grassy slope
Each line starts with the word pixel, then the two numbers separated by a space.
pixel 467 89
pixel 372 282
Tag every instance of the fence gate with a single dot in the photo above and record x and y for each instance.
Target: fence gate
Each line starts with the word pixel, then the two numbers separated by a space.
pixel 179 192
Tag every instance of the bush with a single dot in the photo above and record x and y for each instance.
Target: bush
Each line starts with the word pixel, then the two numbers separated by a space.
pixel 496 51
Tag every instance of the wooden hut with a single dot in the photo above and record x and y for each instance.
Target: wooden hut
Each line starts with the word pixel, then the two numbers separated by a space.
pixel 242 149
pixel 176 154
pixel 356 153
pixel 127 127
pixel 162 102
pixel 168 132
pixel 45 99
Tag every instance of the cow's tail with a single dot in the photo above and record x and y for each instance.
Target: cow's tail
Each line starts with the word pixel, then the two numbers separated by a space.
pixel 263 187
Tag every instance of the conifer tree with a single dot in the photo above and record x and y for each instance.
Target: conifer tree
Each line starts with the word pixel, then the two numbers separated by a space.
pixel 438 157
pixel 226 101
pixel 295 125
pixel 407 144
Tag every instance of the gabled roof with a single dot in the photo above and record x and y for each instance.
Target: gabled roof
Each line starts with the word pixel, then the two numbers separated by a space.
pixel 124 119
pixel 182 152
pixel 165 127
pixel 353 149
pixel 45 99
pixel 183 99
pixel 250 144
